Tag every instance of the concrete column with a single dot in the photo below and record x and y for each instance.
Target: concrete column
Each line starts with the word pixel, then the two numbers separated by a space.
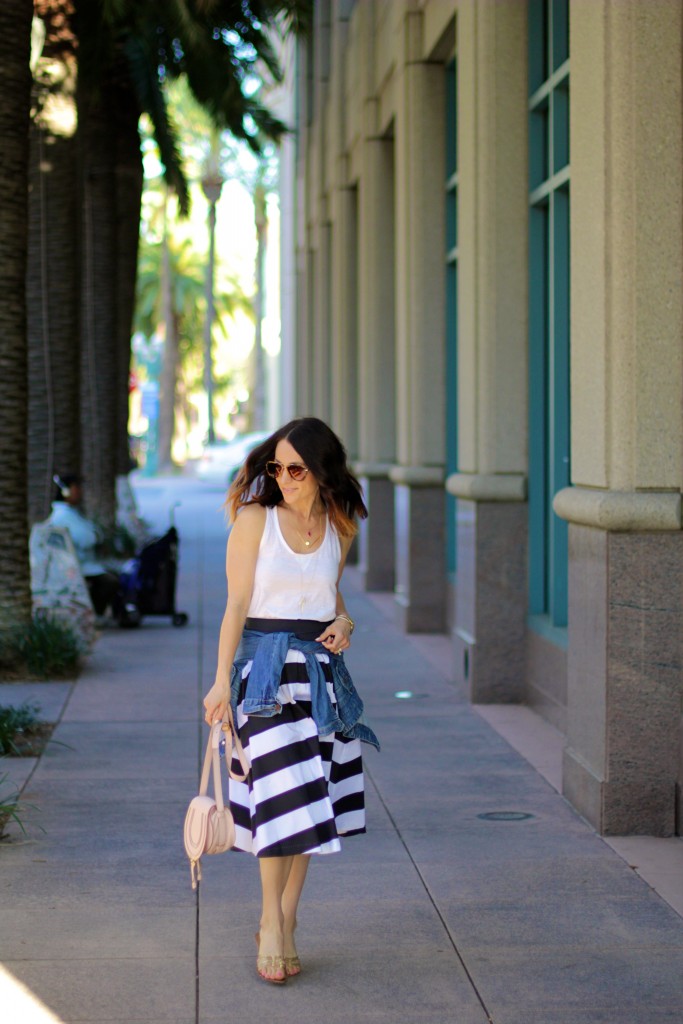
pixel 322 341
pixel 420 254
pixel 305 329
pixel 490 597
pixel 343 200
pixel 420 301
pixel 377 358
pixel 306 205
pixel 287 383
pixel 344 318
pixel 316 345
pixel 626 547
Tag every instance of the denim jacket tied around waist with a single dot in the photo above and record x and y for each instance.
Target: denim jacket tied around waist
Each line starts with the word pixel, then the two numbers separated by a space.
pixel 267 653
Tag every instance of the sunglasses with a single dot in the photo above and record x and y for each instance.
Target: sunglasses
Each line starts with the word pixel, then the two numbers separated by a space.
pixel 295 470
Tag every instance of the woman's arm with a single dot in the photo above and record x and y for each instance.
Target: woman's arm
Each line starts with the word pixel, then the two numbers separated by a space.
pixel 337 636
pixel 240 564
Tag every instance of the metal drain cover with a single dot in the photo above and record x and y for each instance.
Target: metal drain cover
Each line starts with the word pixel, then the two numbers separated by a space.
pixel 505 816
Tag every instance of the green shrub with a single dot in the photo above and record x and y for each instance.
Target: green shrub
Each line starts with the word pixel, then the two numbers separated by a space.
pixel 22 721
pixel 48 648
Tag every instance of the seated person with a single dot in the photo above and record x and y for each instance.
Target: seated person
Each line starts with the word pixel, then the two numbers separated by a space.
pixel 102 584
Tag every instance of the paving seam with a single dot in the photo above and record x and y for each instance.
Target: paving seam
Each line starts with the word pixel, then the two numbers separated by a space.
pixel 431 899
pixel 60 716
pixel 200 674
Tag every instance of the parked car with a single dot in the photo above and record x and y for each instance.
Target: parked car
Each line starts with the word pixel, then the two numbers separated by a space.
pixel 220 462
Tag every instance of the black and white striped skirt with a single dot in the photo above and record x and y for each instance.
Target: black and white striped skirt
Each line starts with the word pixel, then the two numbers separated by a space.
pixel 304 791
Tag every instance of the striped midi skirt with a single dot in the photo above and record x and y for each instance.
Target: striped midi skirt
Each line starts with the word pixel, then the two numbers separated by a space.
pixel 304 791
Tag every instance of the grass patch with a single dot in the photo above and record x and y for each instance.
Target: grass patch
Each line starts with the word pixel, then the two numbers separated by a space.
pixel 47 649
pixel 22 733
pixel 11 808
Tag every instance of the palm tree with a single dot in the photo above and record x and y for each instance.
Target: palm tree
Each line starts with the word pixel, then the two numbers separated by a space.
pixel 15 89
pixel 263 183
pixel 99 362
pixel 133 49
pixel 129 183
pixel 258 173
pixel 52 276
pixel 172 303
pixel 127 53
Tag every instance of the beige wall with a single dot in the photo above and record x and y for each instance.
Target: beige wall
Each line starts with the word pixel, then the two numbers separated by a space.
pixel 372 200
pixel 627 244
pixel 625 618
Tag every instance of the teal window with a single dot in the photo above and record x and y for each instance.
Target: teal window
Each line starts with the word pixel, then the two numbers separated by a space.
pixel 549 349
pixel 451 303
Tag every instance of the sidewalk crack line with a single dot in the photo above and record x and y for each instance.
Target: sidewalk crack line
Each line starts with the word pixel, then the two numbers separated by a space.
pixel 438 913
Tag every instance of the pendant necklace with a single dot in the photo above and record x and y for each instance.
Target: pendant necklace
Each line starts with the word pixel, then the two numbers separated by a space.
pixel 308 540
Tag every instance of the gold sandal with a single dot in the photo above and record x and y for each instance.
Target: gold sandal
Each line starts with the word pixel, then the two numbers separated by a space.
pixel 292 966
pixel 271 964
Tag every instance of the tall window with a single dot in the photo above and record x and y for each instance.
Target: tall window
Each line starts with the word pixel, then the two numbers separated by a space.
pixel 549 166
pixel 451 302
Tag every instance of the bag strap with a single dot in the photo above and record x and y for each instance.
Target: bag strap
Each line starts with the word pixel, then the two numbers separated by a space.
pixel 212 757
pixel 228 726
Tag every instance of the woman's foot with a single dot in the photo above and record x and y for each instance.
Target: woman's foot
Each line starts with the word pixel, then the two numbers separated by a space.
pixel 291 958
pixel 292 966
pixel 270 963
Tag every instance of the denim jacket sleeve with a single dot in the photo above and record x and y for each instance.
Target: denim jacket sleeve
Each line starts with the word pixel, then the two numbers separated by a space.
pixel 267 653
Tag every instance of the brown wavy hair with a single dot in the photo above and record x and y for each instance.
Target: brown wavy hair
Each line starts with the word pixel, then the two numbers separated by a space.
pixel 323 454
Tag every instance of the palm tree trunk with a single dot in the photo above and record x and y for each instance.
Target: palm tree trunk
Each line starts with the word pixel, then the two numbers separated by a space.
pixel 169 365
pixel 261 221
pixel 15 89
pixel 52 276
pixel 99 355
pixel 52 310
pixel 128 202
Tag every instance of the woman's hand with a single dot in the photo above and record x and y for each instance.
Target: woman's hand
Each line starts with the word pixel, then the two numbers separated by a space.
pixel 215 704
pixel 337 637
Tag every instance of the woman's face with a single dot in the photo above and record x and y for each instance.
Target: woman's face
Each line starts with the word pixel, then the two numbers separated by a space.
pixel 294 490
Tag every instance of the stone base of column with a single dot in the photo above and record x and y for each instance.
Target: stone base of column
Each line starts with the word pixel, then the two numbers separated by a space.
pixel 490 600
pixel 376 534
pixel 546 678
pixel 624 688
pixel 420 520
pixel 645 807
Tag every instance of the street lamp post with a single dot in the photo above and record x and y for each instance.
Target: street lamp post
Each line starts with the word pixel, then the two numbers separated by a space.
pixel 212 184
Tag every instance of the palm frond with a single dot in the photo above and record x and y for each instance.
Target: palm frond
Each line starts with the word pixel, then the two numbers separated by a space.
pixel 290 16
pixel 152 101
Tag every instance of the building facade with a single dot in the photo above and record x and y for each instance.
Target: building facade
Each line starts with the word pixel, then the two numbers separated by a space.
pixel 487 262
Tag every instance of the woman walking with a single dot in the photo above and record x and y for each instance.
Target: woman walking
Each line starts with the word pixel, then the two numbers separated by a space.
pixel 280 666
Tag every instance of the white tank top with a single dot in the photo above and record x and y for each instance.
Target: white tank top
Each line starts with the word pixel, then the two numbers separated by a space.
pixel 292 586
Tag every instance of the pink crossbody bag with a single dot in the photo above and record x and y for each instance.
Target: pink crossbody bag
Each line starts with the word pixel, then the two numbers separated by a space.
pixel 209 825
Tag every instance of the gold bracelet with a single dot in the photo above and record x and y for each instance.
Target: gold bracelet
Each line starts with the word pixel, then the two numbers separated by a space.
pixel 350 621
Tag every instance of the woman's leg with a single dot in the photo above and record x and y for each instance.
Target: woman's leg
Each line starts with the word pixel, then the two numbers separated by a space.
pixel 290 903
pixel 275 872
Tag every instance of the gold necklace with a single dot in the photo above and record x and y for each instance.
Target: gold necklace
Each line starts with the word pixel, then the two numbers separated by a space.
pixel 311 540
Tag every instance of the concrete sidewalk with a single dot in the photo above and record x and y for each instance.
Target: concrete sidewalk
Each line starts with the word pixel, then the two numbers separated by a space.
pixel 477 894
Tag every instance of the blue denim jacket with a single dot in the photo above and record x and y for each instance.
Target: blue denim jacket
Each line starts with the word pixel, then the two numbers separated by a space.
pixel 267 653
